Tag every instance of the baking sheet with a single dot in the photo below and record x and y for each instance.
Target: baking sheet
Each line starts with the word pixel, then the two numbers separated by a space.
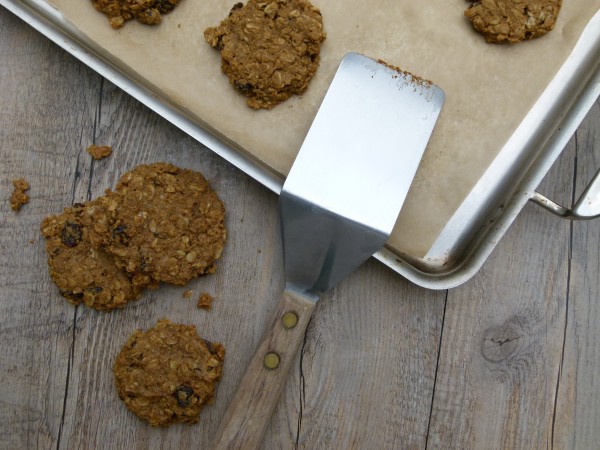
pixel 489 88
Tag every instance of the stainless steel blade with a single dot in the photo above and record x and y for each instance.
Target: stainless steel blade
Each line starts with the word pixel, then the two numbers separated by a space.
pixel 348 183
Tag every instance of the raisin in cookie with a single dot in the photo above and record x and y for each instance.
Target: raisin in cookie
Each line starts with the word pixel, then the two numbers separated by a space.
pixel 166 224
pixel 511 21
pixel 269 50
pixel 83 272
pixel 168 373
pixel 145 11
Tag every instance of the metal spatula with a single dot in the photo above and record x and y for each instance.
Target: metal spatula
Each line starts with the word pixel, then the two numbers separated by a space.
pixel 338 206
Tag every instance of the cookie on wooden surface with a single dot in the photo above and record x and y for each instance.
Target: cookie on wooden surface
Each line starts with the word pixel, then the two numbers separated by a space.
pixel 168 373
pixel 269 50
pixel 166 224
pixel 83 272
pixel 145 11
pixel 511 21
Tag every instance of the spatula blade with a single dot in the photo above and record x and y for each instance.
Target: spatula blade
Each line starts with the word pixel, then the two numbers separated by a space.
pixel 348 183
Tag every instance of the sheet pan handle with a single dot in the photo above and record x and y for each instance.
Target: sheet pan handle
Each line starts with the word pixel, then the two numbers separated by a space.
pixel 587 207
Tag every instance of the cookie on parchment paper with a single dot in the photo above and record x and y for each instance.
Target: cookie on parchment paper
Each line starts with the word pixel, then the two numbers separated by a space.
pixel 511 21
pixel 269 49
pixel 168 373
pixel 148 12
pixel 166 224
pixel 83 272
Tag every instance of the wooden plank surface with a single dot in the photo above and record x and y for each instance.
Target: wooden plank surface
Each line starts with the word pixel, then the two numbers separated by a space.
pixel 577 420
pixel 508 360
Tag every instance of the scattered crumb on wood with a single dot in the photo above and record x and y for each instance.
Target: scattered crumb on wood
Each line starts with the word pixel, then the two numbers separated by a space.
pixel 187 294
pixel 205 301
pixel 99 151
pixel 19 197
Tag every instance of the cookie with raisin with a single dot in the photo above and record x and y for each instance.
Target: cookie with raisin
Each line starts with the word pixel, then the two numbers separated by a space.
pixel 168 373
pixel 165 223
pixel 83 272
pixel 269 50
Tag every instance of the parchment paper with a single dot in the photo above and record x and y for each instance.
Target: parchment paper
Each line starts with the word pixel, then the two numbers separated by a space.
pixel 489 88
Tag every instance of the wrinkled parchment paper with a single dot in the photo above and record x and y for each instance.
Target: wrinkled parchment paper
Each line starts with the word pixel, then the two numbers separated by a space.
pixel 489 88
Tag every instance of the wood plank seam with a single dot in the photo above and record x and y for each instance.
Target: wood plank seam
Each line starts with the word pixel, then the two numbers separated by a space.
pixel 436 369
pixel 302 387
pixel 70 362
pixel 77 176
pixel 568 292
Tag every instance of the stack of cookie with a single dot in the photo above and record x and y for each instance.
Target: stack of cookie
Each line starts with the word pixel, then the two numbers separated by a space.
pixel 161 224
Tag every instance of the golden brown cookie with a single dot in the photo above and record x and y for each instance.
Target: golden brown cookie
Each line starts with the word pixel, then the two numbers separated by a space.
pixel 269 50
pixel 82 272
pixel 145 11
pixel 511 21
pixel 166 224
pixel 168 373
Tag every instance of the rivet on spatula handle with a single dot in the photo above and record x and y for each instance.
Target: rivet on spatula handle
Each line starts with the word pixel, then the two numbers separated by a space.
pixel 258 393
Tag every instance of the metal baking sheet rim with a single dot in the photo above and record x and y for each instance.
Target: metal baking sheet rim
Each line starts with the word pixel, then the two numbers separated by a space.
pixel 484 216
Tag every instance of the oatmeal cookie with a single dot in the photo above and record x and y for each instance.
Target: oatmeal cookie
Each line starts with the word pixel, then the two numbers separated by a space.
pixel 19 197
pixel 168 373
pixel 269 50
pixel 83 272
pixel 511 21
pixel 166 224
pixel 145 11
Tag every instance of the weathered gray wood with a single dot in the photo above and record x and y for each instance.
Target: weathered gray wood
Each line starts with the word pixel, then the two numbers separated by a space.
pixel 577 422
pixel 46 112
pixel 503 334
pixel 368 370
pixel 368 367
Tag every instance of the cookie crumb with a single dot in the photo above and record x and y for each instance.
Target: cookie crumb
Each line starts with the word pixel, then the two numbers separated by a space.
pixel 99 151
pixel 205 301
pixel 187 294
pixel 19 197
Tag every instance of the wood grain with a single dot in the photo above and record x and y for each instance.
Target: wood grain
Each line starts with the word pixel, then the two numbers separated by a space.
pixel 577 419
pixel 250 410
pixel 503 336
pixel 508 360
pixel 40 143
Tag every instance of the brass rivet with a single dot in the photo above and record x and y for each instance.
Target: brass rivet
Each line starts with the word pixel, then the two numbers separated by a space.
pixel 289 319
pixel 271 360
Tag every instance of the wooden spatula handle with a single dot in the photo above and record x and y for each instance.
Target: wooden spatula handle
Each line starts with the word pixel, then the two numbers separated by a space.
pixel 254 401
